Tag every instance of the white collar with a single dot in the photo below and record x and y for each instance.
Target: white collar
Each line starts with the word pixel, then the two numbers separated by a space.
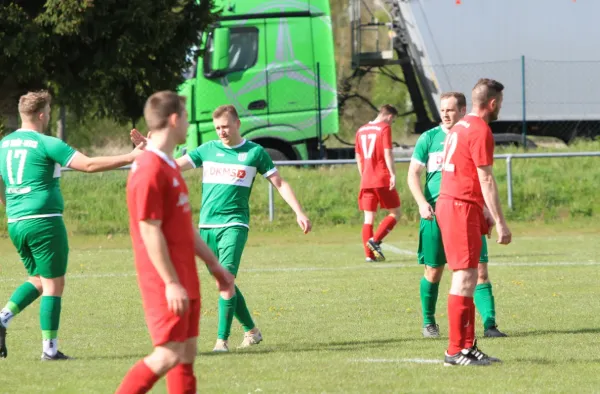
pixel 235 147
pixel 161 154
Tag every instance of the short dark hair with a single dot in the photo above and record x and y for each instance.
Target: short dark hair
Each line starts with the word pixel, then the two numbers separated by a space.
pixel 160 106
pixel 461 100
pixel 486 89
pixel 225 109
pixel 388 109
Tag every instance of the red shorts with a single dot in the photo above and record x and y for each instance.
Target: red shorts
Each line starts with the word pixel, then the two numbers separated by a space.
pixel 164 326
pixel 369 199
pixel 462 224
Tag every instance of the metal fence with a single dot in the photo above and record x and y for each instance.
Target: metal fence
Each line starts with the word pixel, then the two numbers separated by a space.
pixel 509 157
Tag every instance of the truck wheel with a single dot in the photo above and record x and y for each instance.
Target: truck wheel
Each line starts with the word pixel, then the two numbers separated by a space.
pixel 276 155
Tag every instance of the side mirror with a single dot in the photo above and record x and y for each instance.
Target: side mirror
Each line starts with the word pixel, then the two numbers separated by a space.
pixel 220 55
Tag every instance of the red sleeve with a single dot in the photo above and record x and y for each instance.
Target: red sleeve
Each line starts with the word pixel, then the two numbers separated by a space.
pixel 148 197
pixel 482 147
pixel 357 143
pixel 387 137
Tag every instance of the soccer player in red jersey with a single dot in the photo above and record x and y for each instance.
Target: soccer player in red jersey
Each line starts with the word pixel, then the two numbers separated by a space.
pixel 375 162
pixel 165 244
pixel 467 208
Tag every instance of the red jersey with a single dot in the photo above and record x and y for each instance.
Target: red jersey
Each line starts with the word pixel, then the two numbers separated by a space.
pixel 371 140
pixel 468 145
pixel 156 191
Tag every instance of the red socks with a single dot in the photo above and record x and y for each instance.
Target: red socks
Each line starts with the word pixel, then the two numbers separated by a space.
pixel 470 337
pixel 181 379
pixel 367 234
pixel 460 310
pixel 139 380
pixel 386 225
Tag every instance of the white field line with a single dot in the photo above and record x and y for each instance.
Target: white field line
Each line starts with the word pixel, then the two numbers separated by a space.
pixel 397 360
pixel 396 250
pixel 360 266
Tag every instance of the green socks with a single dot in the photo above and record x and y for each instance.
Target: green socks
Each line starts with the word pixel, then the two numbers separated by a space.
pixel 19 300
pixel 242 313
pixel 429 296
pixel 484 301
pixel 49 321
pixel 226 312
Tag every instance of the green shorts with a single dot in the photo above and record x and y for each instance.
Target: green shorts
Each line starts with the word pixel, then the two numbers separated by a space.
pixel 227 243
pixel 42 244
pixel 431 247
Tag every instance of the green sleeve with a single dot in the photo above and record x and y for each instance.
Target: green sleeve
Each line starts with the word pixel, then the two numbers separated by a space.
pixel 195 157
pixel 421 152
pixel 58 150
pixel 265 165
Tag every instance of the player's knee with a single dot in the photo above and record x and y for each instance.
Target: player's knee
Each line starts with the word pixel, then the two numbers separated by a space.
pixel 53 286
pixel 164 358
pixel 395 213
pixel 36 282
pixel 434 274
pixel 189 351
pixel 482 274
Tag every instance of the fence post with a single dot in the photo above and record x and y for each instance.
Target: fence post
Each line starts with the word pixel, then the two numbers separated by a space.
pixel 271 202
pixel 319 122
pixel 524 125
pixel 509 181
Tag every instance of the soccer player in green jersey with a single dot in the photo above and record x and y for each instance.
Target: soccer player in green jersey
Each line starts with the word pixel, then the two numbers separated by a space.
pixel 427 155
pixel 30 164
pixel 229 167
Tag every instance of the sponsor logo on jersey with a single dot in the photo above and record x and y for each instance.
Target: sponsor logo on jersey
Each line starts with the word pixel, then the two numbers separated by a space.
pixel 434 162
pixel 228 174
pixel 242 156
pixel 464 123
pixel 184 201
pixel 175 182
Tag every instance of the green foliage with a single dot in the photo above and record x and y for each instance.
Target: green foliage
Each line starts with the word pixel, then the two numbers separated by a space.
pixel 101 56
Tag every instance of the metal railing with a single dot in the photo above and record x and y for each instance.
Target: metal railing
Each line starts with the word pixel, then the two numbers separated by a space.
pixel 508 157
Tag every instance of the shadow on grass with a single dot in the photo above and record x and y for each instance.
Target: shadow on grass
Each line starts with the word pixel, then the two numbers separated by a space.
pixel 346 346
pixel 595 330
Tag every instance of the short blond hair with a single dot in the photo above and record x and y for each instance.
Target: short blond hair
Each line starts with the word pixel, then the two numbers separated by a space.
pixel 225 109
pixel 32 103
pixel 160 106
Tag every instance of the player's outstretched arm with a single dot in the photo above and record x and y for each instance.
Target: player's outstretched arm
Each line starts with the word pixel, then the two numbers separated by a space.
pixel 489 190
pixel 225 281
pixel 389 162
pixel 81 162
pixel 414 184
pixel 2 192
pixel 286 192
pixel 156 247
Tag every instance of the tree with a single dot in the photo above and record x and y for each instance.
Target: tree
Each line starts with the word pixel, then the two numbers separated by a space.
pixel 104 56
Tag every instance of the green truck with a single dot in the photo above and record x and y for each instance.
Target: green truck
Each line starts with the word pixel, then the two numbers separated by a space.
pixel 274 61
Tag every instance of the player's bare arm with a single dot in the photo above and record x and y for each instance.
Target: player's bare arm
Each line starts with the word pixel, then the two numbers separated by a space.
pixel 489 190
pixel 225 281
pixel 2 192
pixel 286 192
pixel 359 164
pixel 414 184
pixel 389 162
pixel 81 162
pixel 156 245
pixel 140 142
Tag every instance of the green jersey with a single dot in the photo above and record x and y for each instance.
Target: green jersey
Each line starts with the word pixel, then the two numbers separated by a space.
pixel 429 152
pixel 30 164
pixel 227 178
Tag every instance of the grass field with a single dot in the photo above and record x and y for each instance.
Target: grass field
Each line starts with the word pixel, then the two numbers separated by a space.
pixel 331 322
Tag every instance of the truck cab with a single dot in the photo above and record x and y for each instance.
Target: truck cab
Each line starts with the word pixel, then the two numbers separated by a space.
pixel 274 61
